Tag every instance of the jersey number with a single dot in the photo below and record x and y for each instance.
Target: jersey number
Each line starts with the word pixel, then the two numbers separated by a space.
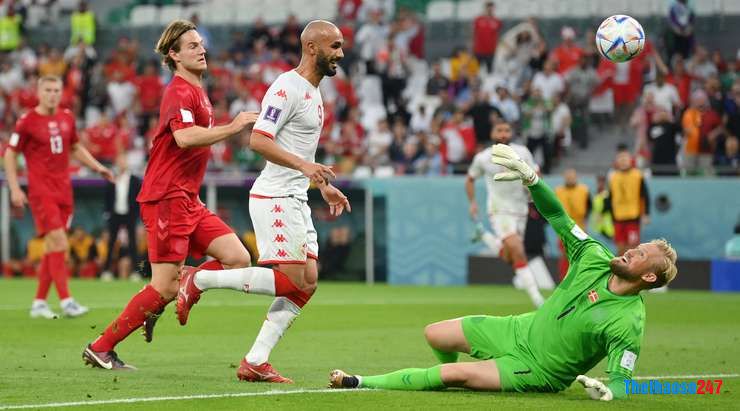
pixel 56 144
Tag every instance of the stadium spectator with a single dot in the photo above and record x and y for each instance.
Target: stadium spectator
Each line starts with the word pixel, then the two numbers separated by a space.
pixel 505 104
pixel 82 25
pixel 537 127
pixel 10 30
pixel 628 201
pixel 103 140
pixel 561 120
pixel 485 35
pixel 576 201
pixel 52 64
pixel 680 36
pixel 437 81
pixel 458 142
pixel 393 67
pixel 347 10
pixel 568 54
pixel 665 95
pixel 701 66
pixel 681 78
pixel 548 81
pixel 378 143
pixel 663 138
pixel 728 162
pixel 149 89
pixel 370 38
pixel 581 82
pixel 701 126
pixel 484 115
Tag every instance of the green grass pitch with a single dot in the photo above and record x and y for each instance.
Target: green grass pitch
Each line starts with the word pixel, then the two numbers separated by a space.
pixel 361 329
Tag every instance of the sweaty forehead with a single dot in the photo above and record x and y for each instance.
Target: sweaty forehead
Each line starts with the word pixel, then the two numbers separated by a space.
pixel 190 36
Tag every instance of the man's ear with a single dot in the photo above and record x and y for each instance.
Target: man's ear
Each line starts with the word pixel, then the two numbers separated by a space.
pixel 173 55
pixel 649 277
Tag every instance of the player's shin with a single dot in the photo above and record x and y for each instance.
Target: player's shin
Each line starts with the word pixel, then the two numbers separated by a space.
pixel 42 291
pixel 526 279
pixel 58 270
pixel 410 379
pixel 254 280
pixel 280 316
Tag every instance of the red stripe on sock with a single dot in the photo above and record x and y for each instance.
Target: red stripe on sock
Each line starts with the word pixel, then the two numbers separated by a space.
pixel 211 265
pixel 519 264
pixel 141 305
pixel 57 268
pixel 44 278
pixel 284 287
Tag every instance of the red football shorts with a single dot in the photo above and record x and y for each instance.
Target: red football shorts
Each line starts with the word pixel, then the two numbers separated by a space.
pixel 49 214
pixel 627 232
pixel 178 227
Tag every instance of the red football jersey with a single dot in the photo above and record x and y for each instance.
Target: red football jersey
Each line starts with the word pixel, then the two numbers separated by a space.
pixel 175 171
pixel 46 142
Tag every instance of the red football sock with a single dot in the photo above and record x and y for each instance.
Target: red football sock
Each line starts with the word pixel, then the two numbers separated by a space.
pixel 284 287
pixel 42 291
pixel 57 268
pixel 147 301
pixel 211 265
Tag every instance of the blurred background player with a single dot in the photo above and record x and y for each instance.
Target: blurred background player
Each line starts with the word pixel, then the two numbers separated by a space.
pixel 547 349
pixel 121 210
pixel 628 201
pixel 577 203
pixel 45 136
pixel 287 135
pixel 177 222
pixel 508 207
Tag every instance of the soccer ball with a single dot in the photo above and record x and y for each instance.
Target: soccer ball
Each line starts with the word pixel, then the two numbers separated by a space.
pixel 620 38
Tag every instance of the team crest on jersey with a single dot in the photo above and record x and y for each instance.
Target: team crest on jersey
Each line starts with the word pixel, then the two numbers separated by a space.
pixel 307 96
pixel 272 114
pixel 593 296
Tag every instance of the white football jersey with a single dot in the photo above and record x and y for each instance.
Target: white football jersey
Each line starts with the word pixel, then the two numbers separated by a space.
pixel 509 197
pixel 292 114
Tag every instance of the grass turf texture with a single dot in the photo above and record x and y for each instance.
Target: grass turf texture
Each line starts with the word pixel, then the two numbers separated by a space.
pixel 364 330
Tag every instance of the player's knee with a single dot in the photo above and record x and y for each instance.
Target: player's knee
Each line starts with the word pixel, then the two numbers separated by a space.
pixel 309 287
pixel 432 333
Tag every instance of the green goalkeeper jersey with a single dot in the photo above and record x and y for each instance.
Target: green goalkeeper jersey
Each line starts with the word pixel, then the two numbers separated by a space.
pixel 583 322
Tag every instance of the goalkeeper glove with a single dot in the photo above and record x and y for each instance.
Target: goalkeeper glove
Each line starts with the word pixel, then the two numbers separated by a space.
pixel 505 156
pixel 595 388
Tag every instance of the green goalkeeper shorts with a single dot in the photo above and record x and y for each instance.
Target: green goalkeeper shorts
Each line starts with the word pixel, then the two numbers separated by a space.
pixel 502 339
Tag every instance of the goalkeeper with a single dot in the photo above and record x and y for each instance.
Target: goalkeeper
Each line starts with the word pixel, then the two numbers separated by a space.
pixel 596 312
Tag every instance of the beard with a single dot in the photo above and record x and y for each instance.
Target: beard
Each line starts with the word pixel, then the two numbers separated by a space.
pixel 323 63
pixel 621 270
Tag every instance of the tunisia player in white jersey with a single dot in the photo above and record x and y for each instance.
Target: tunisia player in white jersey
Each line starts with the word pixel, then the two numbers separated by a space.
pixel 287 135
pixel 508 207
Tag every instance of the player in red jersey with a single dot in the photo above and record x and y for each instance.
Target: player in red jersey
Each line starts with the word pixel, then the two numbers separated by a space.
pixel 177 222
pixel 46 135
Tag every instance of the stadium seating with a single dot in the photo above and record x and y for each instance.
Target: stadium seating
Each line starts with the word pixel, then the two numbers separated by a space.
pixel 441 10
pixel 143 15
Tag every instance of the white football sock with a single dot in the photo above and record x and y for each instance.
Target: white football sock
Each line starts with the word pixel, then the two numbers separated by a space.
pixel 526 279
pixel 253 280
pixel 280 315
pixel 493 242
pixel 542 275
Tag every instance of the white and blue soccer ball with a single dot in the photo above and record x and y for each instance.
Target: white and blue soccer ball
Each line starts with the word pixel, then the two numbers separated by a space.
pixel 620 38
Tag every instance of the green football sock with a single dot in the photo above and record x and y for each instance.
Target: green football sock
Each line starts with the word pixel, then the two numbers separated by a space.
pixel 445 357
pixel 410 379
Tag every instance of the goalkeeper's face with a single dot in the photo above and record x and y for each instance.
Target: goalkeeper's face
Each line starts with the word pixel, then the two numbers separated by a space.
pixel 501 133
pixel 637 264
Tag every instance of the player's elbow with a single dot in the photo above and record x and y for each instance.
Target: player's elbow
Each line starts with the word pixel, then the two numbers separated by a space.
pixel 181 140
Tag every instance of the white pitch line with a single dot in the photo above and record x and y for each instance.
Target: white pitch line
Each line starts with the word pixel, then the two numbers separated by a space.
pixel 175 398
pixel 279 392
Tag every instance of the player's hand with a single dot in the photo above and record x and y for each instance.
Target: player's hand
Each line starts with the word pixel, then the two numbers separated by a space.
pixel 595 388
pixel 505 156
pixel 473 210
pixel 318 173
pixel 107 174
pixel 18 198
pixel 336 199
pixel 244 119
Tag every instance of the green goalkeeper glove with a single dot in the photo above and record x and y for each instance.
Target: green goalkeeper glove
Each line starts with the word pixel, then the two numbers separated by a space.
pixel 505 156
pixel 595 388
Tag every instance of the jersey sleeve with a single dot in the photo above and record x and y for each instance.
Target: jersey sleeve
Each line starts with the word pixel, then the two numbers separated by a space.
pixel 180 109
pixel 623 342
pixel 277 108
pixel 19 138
pixel 476 168
pixel 573 237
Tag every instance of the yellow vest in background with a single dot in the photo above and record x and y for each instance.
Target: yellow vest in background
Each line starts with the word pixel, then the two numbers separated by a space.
pixel 575 202
pixel 624 187
pixel 83 27
pixel 10 32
